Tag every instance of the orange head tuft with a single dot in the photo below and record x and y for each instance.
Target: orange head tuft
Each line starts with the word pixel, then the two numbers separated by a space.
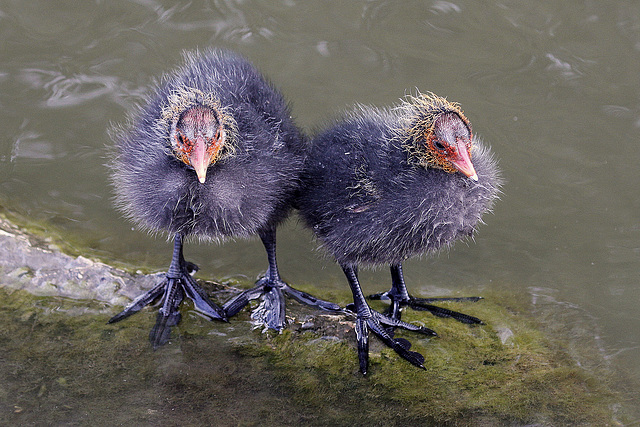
pixel 440 135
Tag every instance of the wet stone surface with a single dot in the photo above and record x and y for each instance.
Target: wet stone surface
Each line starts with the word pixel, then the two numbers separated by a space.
pixel 37 266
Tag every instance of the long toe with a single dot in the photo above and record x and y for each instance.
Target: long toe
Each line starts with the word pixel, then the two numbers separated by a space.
pixel 161 331
pixel 237 303
pixel 362 338
pixel 310 300
pixel 168 315
pixel 440 299
pixel 200 300
pixel 140 302
pixel 396 323
pixel 418 305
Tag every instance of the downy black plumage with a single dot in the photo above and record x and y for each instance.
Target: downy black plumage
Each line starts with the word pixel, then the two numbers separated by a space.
pixel 384 185
pixel 212 154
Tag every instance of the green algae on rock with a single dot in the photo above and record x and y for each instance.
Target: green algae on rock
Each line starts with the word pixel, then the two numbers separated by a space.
pixel 505 372
pixel 61 362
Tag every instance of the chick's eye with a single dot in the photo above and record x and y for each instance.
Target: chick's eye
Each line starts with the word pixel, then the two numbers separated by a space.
pixel 438 144
pixel 183 142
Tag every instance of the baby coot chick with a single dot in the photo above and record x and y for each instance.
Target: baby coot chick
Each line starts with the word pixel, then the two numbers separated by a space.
pixel 213 154
pixel 382 186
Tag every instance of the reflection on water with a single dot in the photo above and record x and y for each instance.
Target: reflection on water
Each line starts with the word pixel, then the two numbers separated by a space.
pixel 551 86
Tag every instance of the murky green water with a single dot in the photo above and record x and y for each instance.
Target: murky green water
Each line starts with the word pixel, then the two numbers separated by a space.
pixel 553 87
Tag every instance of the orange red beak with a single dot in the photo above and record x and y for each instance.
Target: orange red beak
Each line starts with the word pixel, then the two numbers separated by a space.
pixel 462 161
pixel 200 159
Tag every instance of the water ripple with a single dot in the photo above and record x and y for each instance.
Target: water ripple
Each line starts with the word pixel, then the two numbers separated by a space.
pixel 30 145
pixel 67 91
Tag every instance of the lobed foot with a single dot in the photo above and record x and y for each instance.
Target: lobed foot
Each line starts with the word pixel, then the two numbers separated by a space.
pixel 368 319
pixel 172 291
pixel 271 311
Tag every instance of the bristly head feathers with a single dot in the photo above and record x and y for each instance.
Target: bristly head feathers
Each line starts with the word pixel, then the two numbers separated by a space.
pixel 183 98
pixel 417 117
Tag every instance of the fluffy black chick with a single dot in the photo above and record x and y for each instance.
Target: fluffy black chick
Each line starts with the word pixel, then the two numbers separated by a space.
pixel 212 154
pixel 384 185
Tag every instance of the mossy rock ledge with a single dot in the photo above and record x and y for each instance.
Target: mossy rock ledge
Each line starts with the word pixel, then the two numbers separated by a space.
pixel 63 362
